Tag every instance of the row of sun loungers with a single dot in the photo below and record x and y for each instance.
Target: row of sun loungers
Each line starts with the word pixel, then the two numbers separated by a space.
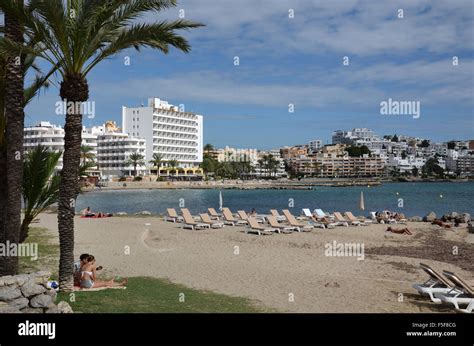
pixel 264 224
pixel 447 288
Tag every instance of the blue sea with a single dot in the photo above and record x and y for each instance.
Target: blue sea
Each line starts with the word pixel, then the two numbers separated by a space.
pixel 408 198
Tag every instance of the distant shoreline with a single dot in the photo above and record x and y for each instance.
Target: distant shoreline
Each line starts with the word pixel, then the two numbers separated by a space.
pixel 256 185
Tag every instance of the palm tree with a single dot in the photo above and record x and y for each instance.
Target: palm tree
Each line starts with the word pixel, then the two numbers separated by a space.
pixel 87 154
pixel 157 162
pixel 32 90
pixel 13 98
pixel 208 148
pixel 135 159
pixel 14 117
pixel 75 37
pixel 40 184
pixel 173 164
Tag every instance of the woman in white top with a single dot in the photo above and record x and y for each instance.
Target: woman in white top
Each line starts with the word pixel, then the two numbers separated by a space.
pixel 88 276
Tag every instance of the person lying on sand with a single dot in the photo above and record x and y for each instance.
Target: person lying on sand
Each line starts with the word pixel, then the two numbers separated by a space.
pixel 88 276
pixel 399 231
pixel 441 223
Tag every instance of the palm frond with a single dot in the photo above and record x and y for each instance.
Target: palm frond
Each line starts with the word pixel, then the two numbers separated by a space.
pixel 158 36
pixel 40 184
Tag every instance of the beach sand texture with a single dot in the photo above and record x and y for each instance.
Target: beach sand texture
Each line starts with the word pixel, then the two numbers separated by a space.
pixel 280 272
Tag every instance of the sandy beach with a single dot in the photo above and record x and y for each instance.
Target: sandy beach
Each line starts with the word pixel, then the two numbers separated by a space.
pixel 280 272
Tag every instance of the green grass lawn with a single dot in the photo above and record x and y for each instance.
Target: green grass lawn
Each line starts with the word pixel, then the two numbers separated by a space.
pixel 143 294
pixel 48 253
pixel 155 295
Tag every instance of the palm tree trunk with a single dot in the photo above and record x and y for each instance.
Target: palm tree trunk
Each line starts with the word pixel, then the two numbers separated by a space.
pixel 14 114
pixel 3 197
pixel 74 88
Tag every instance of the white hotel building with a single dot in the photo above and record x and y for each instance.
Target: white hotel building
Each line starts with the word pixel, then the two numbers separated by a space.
pixel 52 137
pixel 114 151
pixel 174 134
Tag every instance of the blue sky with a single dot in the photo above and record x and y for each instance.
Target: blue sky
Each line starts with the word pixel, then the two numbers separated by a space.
pixel 299 60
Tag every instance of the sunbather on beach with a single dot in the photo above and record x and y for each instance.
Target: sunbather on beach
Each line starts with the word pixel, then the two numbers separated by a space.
pixel 441 223
pixel 88 276
pixel 399 231
pixel 87 212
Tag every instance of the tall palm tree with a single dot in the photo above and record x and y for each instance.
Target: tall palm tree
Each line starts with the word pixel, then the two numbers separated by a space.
pixel 14 123
pixel 157 161
pixel 76 36
pixel 135 159
pixel 13 98
pixel 40 81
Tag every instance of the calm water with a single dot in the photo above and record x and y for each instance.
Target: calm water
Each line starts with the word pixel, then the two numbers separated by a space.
pixel 418 199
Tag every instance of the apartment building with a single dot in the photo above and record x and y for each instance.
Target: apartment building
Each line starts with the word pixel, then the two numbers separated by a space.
pixel 52 137
pixel 293 152
pixel 113 153
pixel 338 166
pixel 315 145
pixel 407 164
pixel 167 130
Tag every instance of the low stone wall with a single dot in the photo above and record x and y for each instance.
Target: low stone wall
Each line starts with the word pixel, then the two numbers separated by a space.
pixel 28 293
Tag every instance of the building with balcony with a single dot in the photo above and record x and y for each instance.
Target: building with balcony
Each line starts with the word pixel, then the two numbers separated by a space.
pixel 167 130
pixel 52 137
pixel 338 166
pixel 113 153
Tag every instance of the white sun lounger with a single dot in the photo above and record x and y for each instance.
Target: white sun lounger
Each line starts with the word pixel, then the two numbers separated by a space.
pixel 254 226
pixel 173 216
pixel 436 284
pixel 213 213
pixel 307 213
pixel 189 221
pixel 293 222
pixel 353 220
pixel 214 224
pixel 340 219
pixel 279 217
pixel 230 220
pixel 281 227
pixel 462 294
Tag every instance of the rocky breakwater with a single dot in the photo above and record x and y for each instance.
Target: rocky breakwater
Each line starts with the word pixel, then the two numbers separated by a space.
pixel 29 293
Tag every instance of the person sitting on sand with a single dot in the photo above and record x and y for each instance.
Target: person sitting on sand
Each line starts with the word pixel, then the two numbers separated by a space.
pixel 88 276
pixel 253 212
pixel 87 212
pixel 399 231
pixel 77 268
